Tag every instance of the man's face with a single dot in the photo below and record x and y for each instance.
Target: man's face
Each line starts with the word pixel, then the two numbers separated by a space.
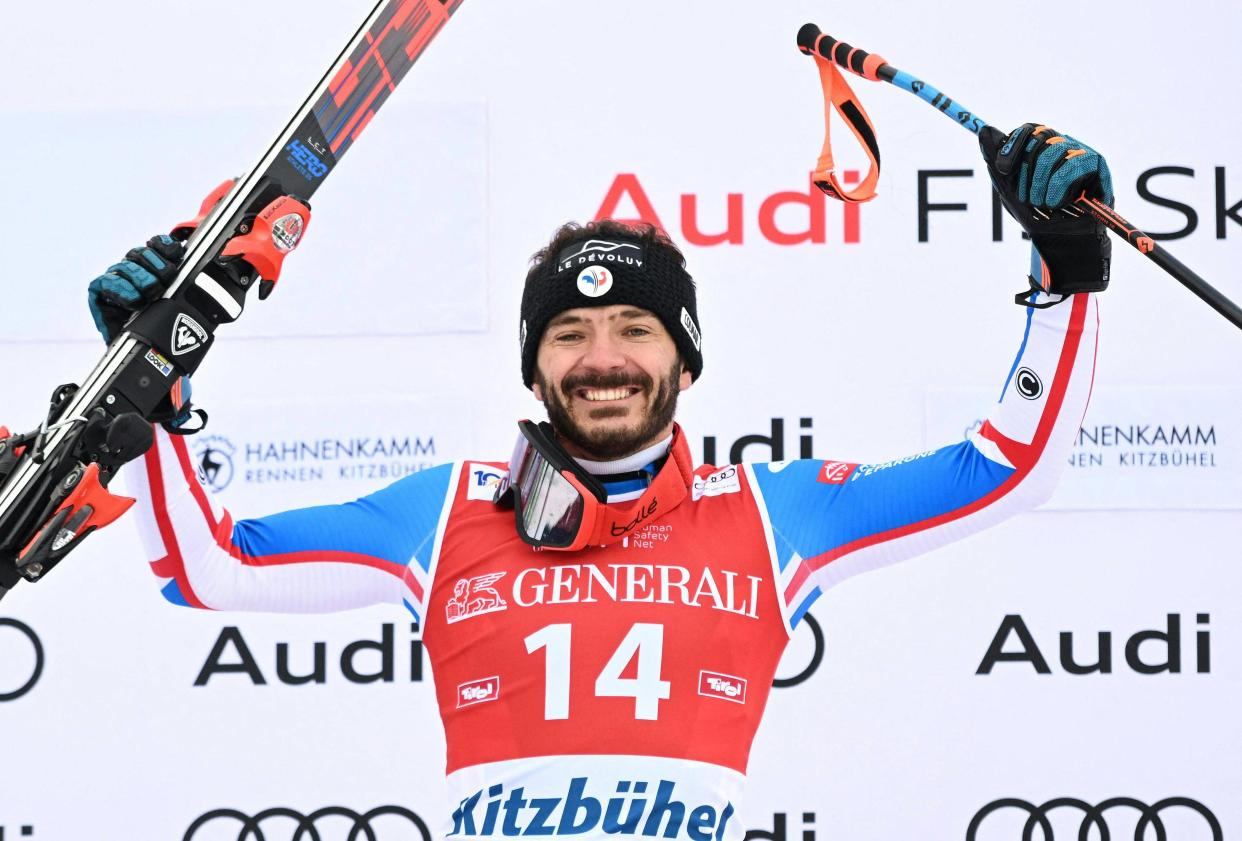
pixel 609 378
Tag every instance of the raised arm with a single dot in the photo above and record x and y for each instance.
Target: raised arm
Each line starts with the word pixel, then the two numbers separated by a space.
pixel 830 520
pixel 336 557
pixel 833 519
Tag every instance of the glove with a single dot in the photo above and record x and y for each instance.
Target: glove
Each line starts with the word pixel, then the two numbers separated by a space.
pixel 130 285
pixel 1039 174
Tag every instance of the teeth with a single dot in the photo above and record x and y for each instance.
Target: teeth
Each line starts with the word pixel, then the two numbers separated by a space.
pixel 606 393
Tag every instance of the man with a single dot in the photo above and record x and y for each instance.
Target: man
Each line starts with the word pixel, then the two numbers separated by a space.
pixel 605 621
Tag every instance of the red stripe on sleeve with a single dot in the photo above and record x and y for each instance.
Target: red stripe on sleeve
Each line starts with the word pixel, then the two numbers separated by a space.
pixel 1023 465
pixel 171 565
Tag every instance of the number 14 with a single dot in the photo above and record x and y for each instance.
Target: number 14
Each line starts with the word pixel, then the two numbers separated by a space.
pixel 647 689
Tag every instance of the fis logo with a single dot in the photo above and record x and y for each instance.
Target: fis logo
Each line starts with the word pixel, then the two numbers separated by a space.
pixel 725 687
pixel 474 597
pixel 305 161
pixel 633 811
pixel 478 691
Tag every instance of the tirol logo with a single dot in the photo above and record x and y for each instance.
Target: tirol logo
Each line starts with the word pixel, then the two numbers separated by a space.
pixel 727 687
pixel 595 251
pixel 287 231
pixel 19 672
pixel 478 691
pixel 187 335
pixel 594 281
pixel 474 597
pixel 626 808
pixel 393 823
pixel 1027 383
pixel 835 472
pixel 1170 819
pixel 213 459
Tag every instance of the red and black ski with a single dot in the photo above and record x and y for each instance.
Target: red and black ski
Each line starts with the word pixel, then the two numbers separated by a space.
pixel 53 481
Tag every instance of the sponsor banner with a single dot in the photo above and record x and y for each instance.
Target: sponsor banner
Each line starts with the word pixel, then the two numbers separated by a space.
pixel 1178 448
pixel 257 458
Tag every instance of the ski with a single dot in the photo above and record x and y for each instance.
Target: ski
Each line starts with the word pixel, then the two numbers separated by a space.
pixel 53 480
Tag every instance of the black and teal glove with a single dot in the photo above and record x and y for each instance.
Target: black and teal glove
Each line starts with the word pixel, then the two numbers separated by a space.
pixel 128 287
pixel 132 284
pixel 1039 174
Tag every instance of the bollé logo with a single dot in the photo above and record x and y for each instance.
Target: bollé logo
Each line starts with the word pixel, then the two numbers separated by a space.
pixel 396 823
pixel 231 654
pixel 21 661
pixel 1148 652
pixel 1170 819
pixel 741 449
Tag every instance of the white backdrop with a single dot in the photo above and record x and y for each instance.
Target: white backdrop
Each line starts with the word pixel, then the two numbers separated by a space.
pixel 397 321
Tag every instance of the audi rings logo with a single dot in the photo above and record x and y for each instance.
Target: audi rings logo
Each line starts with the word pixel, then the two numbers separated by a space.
pixel 327 824
pixel 1171 819
pixel 797 651
pixel 18 672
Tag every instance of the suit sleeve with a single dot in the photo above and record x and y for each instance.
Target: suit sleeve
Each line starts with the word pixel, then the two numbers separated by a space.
pixel 832 520
pixel 312 560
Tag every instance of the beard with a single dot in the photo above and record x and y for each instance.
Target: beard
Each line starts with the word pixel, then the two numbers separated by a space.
pixel 612 442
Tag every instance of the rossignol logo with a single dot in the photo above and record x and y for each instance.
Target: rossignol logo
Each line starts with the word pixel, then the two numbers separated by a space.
pixel 632 810
pixel 187 335
pixel 474 597
pixel 392 823
pixel 594 251
pixel 1070 818
pixel 478 691
pixel 726 687
pixel 21 659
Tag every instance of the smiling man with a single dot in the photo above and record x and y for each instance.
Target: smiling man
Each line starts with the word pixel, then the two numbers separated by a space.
pixel 603 619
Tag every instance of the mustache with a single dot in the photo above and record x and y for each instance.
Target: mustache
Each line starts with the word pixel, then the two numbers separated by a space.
pixel 615 380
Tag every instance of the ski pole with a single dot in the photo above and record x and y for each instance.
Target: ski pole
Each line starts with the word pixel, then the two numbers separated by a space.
pixel 811 41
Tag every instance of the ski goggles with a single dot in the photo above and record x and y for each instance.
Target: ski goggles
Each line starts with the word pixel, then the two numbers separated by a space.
pixel 557 504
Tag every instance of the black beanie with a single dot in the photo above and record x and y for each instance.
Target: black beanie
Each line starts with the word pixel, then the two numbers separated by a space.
pixel 598 269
